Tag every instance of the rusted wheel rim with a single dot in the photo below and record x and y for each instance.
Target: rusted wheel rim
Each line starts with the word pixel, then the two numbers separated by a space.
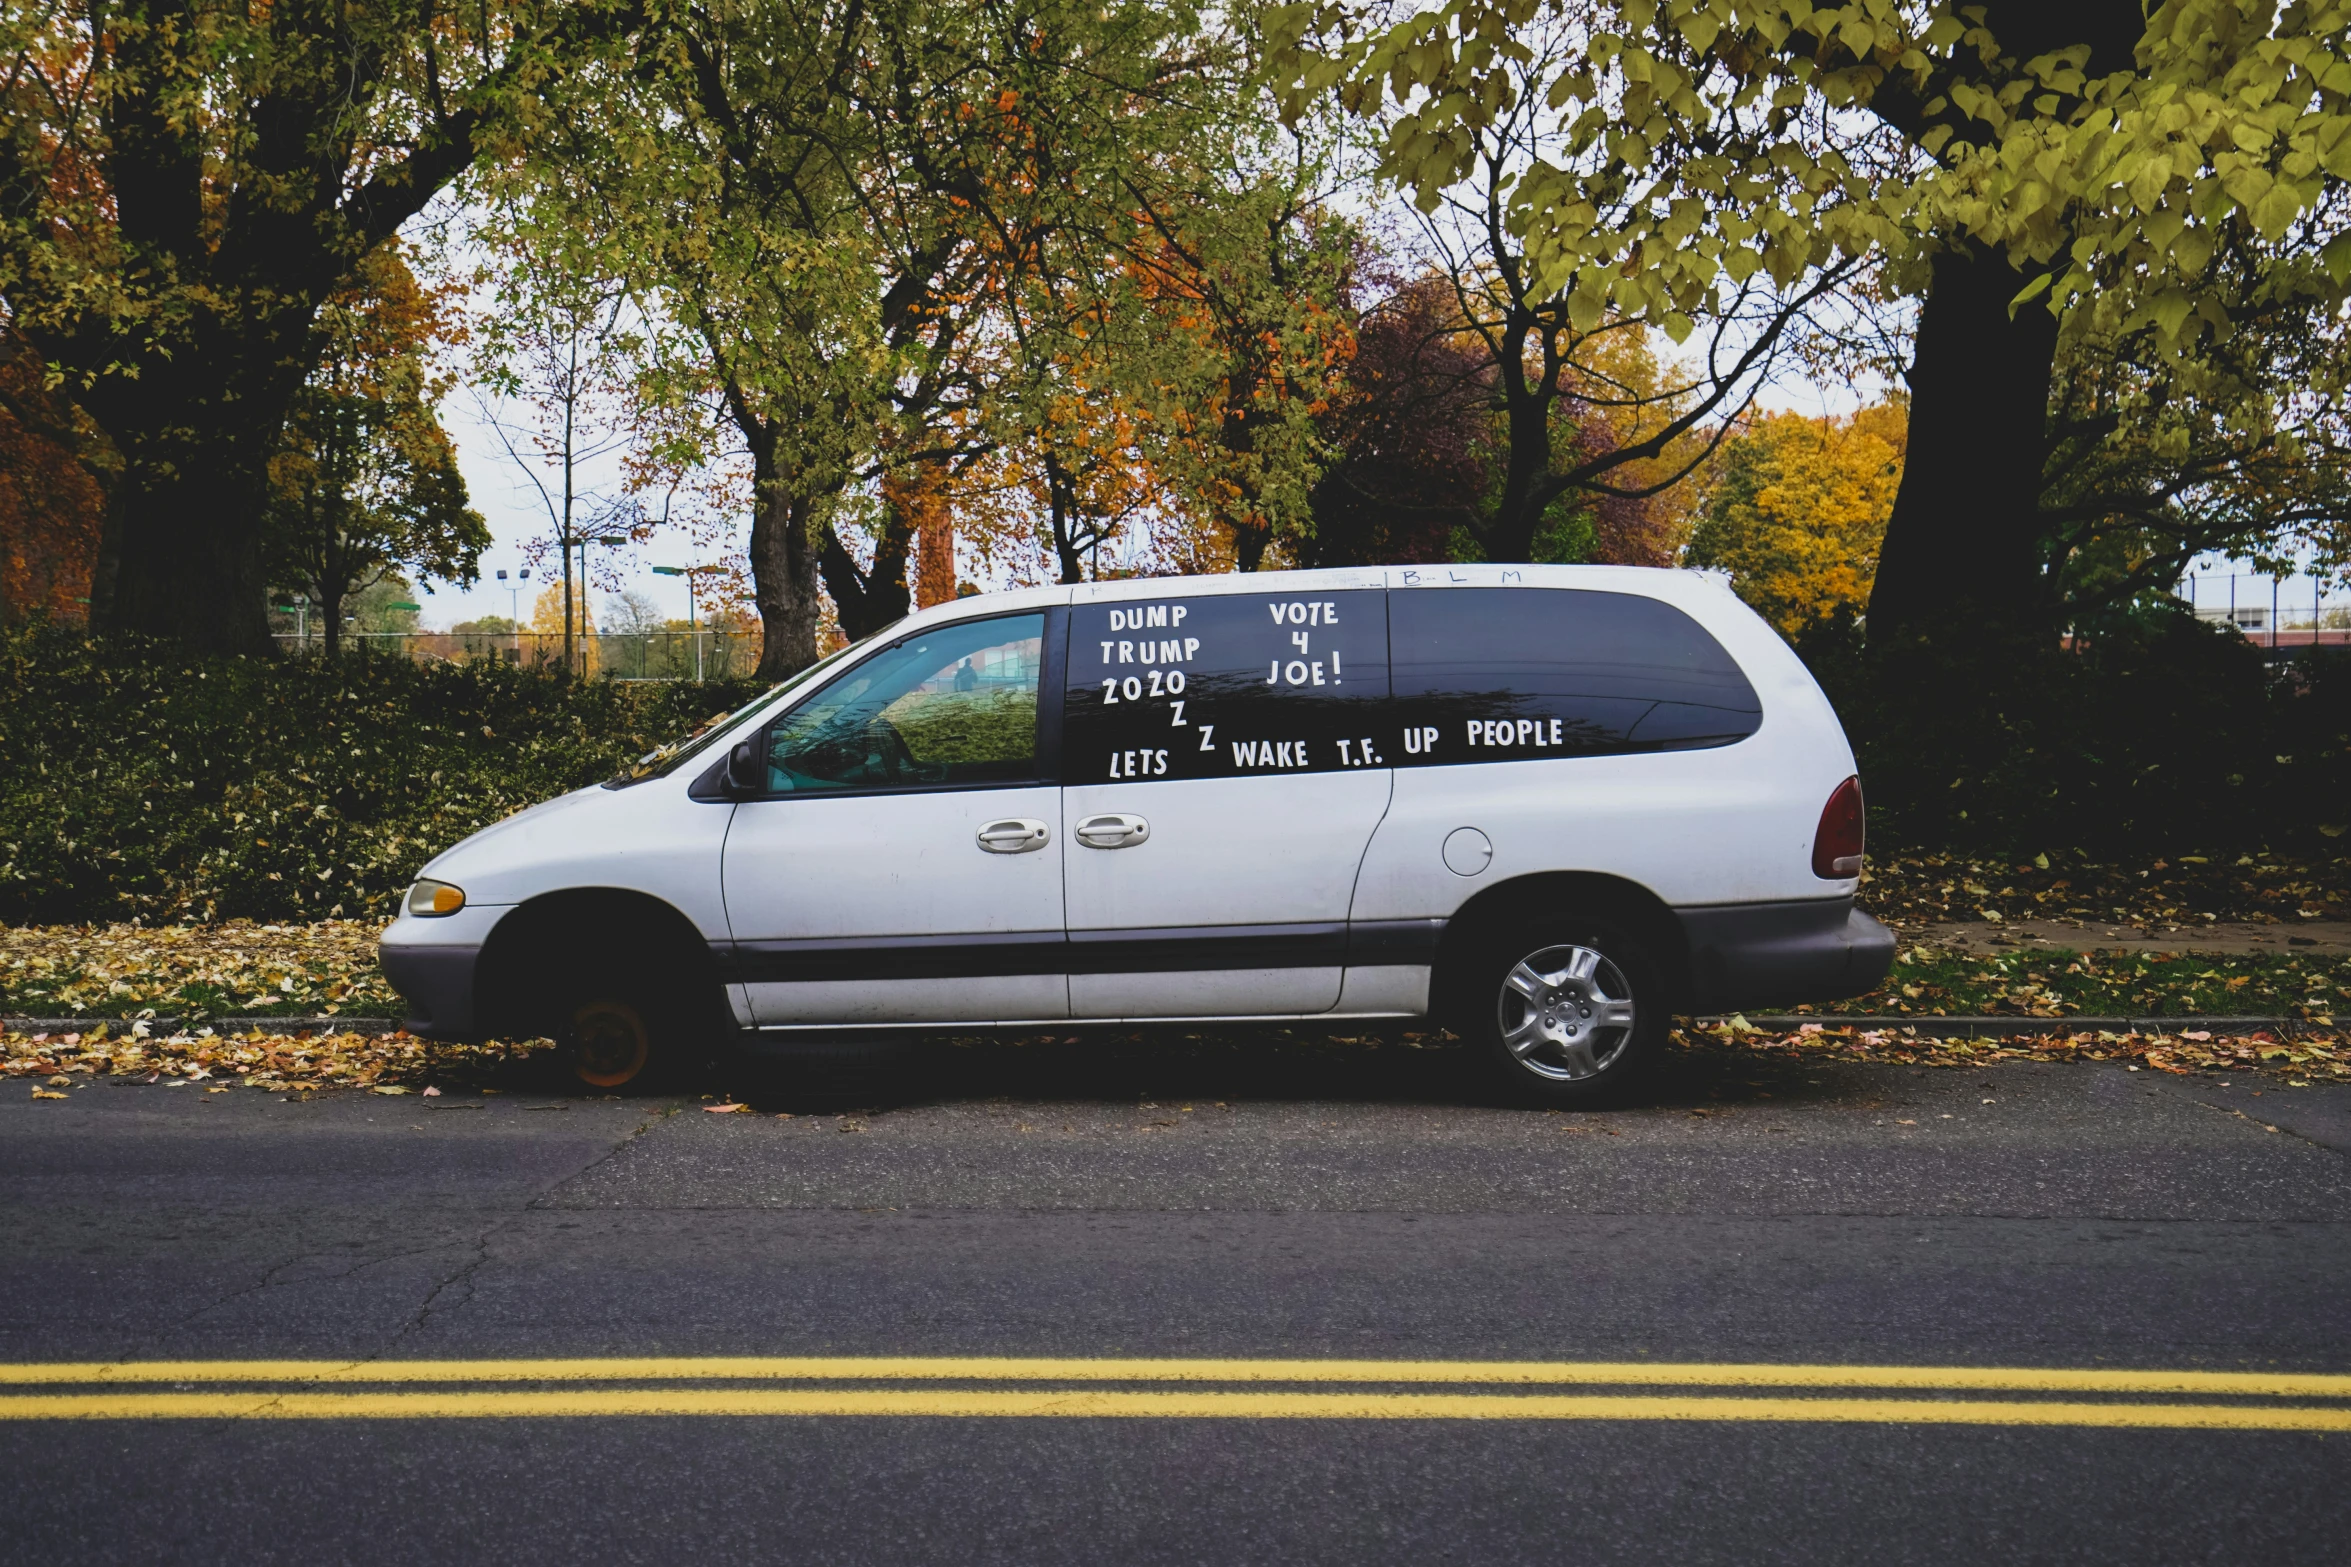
pixel 609 1045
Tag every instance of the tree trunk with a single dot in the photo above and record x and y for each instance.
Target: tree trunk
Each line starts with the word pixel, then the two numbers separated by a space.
pixel 783 577
pixel 869 600
pixel 922 495
pixel 1061 503
pixel 935 581
pixel 1252 533
pixel 1511 536
pixel 1526 479
pixel 330 586
pixel 1963 543
pixel 182 556
pixel 563 542
pixel 1249 545
pixel 1073 564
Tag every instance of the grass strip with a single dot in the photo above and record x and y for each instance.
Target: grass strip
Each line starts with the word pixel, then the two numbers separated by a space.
pixel 2056 982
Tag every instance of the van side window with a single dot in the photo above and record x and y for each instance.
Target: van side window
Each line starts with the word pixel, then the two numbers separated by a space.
pixel 1226 685
pixel 1515 674
pixel 950 707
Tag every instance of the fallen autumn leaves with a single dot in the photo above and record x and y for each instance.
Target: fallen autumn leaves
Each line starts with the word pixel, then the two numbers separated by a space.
pixel 2193 1051
pixel 197 971
pixel 240 969
pixel 2156 895
pixel 235 967
pixel 253 1060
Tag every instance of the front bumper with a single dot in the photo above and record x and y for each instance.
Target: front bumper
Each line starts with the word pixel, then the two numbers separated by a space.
pixel 437 984
pixel 1778 954
pixel 432 963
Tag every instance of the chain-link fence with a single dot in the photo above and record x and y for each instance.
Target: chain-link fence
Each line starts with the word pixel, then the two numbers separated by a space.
pixel 608 655
pixel 2275 612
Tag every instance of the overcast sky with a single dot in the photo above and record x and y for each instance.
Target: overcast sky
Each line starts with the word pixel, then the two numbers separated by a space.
pixel 517 517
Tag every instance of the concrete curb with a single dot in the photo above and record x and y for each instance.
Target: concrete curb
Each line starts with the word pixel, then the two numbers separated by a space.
pixel 160 1026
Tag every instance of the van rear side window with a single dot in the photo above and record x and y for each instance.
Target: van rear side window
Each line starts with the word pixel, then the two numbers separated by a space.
pixel 1518 674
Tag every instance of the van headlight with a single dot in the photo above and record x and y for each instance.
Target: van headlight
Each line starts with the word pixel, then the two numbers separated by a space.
pixel 430 898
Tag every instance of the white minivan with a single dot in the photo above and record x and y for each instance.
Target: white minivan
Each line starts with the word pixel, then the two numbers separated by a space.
pixel 1548 806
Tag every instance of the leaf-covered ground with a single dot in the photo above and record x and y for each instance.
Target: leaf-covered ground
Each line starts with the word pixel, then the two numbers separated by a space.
pixel 236 968
pixel 2301 1059
pixel 1933 982
pixel 329 969
pixel 2183 890
pixel 386 1063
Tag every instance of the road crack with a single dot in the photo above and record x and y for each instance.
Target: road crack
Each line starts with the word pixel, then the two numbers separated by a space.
pixel 462 1278
pixel 539 1200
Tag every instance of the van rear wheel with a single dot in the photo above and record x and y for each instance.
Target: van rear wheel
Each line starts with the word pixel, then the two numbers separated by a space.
pixel 1566 1011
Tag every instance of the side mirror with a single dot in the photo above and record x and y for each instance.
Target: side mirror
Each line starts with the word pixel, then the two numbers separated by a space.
pixel 743 769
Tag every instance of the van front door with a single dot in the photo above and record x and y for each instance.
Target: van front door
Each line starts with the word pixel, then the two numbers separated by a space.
pixel 904 862
pixel 1222 777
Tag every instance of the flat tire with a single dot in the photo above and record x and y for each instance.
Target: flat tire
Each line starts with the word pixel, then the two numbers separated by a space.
pixel 616 1042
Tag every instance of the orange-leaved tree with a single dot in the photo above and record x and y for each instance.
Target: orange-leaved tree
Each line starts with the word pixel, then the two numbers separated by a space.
pixel 1241 273
pixel 51 507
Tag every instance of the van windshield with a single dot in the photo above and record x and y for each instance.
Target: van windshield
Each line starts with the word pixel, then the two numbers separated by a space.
pixel 664 760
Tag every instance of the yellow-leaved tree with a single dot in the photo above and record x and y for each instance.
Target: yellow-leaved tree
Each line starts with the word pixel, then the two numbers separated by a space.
pixel 1798 512
pixel 547 625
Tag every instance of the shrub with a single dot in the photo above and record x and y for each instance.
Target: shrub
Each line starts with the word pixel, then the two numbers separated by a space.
pixel 2157 733
pixel 144 783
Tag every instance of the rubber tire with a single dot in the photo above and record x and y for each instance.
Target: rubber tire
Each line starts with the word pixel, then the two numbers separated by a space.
pixel 1481 985
pixel 617 1040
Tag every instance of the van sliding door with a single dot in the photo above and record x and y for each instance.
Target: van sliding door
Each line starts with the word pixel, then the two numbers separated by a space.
pixel 1223 769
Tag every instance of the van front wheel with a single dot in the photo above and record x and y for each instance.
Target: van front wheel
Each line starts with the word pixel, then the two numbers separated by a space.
pixel 610 1042
pixel 1564 1012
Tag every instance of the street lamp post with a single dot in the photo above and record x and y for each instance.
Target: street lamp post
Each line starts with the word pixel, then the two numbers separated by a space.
pixel 693 631
pixel 299 609
pixel 609 541
pixel 514 607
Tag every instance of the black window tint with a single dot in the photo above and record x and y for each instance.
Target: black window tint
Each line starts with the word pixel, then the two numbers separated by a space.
pixel 949 707
pixel 1225 685
pixel 1511 674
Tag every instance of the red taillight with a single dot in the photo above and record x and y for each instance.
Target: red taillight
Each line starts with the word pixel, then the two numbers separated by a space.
pixel 1836 846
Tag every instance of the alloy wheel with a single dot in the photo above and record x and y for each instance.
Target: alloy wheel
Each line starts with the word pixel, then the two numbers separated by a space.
pixel 1566 1013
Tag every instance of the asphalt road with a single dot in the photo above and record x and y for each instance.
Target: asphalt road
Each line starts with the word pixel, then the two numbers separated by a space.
pixel 1243 1200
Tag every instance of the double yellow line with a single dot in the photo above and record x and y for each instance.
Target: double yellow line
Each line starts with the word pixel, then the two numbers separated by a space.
pixel 963 1387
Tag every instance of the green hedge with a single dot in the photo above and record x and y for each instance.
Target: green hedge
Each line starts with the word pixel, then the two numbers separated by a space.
pixel 2155 735
pixel 143 783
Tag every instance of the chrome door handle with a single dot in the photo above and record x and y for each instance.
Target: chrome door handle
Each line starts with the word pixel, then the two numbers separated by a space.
pixel 1014 835
pixel 1113 831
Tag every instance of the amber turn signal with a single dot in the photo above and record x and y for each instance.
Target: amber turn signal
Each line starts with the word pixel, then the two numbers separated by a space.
pixel 429 898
